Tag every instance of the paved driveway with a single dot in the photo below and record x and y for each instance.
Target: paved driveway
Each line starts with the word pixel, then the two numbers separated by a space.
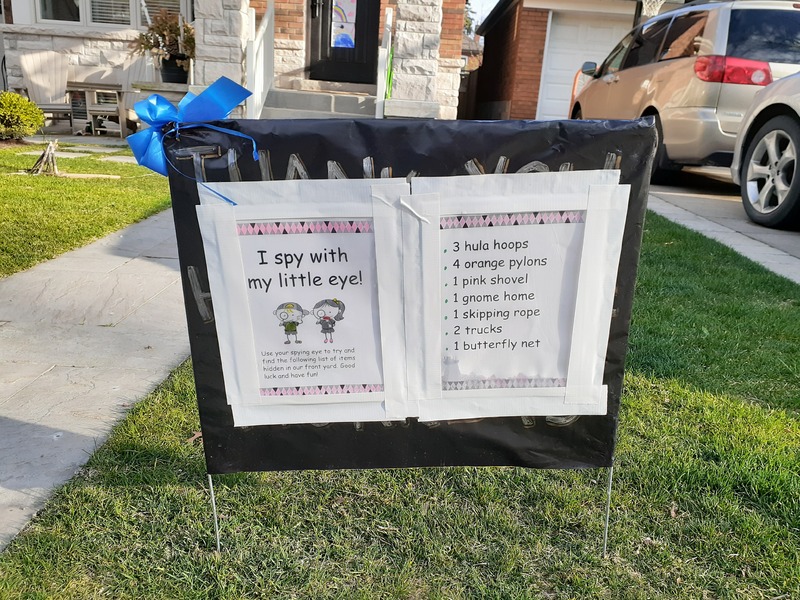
pixel 706 200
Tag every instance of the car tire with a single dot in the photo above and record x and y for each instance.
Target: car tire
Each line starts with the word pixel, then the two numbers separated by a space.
pixel 663 169
pixel 770 181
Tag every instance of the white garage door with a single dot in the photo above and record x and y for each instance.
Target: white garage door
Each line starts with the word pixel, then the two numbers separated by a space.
pixel 574 39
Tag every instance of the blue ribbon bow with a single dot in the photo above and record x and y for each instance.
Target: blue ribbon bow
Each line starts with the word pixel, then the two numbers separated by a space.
pixel 215 102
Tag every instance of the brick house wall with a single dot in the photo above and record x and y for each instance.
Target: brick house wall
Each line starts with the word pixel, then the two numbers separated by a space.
pixel 452 28
pixel 508 84
pixel 531 41
pixel 289 19
pixel 260 6
pixel 496 76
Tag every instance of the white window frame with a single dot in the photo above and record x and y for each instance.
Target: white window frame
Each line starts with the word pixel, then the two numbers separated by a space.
pixel 84 7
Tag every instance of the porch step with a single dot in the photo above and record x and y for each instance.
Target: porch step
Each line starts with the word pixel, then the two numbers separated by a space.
pixel 311 85
pixel 294 104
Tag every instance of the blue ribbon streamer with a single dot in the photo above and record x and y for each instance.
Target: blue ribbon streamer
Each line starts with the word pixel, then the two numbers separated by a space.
pixel 214 103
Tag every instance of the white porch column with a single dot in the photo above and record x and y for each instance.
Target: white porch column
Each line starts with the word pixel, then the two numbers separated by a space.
pixel 221 31
pixel 416 59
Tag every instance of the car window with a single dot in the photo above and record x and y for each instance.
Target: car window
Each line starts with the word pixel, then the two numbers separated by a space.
pixel 614 61
pixel 646 44
pixel 685 35
pixel 768 35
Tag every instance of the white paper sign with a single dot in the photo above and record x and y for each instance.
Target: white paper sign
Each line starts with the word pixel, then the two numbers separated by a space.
pixel 452 298
pixel 512 284
pixel 509 283
pixel 300 309
pixel 313 298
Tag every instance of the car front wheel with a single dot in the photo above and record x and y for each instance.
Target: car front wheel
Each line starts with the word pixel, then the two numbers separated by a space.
pixel 771 183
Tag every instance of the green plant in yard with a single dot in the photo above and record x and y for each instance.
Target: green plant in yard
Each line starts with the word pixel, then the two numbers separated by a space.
pixel 19 117
pixel 42 217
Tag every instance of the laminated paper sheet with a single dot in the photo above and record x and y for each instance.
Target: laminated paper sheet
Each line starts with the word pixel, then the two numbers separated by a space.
pixel 452 298
pixel 294 276
pixel 520 294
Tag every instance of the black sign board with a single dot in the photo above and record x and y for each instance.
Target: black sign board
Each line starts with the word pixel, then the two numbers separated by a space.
pixel 319 149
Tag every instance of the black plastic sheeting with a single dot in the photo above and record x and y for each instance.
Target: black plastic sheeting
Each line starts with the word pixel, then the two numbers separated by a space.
pixel 406 147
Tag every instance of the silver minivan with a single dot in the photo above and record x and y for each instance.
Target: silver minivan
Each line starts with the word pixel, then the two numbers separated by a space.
pixel 695 69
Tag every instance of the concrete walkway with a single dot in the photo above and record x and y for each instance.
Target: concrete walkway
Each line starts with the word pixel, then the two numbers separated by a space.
pixel 82 338
pixel 86 335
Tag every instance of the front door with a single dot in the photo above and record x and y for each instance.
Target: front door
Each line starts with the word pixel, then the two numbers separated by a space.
pixel 344 40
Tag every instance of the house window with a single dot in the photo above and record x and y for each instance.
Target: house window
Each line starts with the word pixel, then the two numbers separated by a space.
pixel 117 12
pixel 60 10
pixel 126 13
pixel 150 8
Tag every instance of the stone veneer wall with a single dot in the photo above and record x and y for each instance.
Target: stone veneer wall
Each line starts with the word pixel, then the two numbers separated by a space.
pixel 221 29
pixel 85 48
pixel 418 27
pixel 448 82
pixel 427 46
pixel 427 59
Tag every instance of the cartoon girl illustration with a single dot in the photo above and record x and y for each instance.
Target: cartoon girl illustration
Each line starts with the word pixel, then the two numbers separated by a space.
pixel 290 315
pixel 328 311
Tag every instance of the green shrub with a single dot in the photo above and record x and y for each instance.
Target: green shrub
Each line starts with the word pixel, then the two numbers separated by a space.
pixel 19 117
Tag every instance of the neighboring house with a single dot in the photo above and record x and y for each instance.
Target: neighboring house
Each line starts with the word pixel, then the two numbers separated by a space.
pixel 93 33
pixel 319 46
pixel 534 48
pixel 471 52
pixel 471 56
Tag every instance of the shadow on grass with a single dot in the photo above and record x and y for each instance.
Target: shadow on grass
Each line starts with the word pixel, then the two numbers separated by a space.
pixel 709 318
pixel 132 463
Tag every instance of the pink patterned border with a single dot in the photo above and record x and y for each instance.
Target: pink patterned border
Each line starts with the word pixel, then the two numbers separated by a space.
pixel 509 219
pixel 288 227
pixel 499 384
pixel 323 390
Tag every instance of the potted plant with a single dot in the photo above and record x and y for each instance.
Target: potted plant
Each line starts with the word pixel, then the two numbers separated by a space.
pixel 171 41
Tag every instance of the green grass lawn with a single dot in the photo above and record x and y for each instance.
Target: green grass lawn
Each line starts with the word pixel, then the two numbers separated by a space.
pixel 43 216
pixel 706 500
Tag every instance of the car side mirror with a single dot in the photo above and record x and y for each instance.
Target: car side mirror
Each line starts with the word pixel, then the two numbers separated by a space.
pixel 589 68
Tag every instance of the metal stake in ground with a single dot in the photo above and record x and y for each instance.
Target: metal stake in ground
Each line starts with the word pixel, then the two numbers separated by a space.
pixel 608 510
pixel 214 508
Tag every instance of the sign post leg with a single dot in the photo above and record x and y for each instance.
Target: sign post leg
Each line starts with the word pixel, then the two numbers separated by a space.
pixel 608 510
pixel 214 509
